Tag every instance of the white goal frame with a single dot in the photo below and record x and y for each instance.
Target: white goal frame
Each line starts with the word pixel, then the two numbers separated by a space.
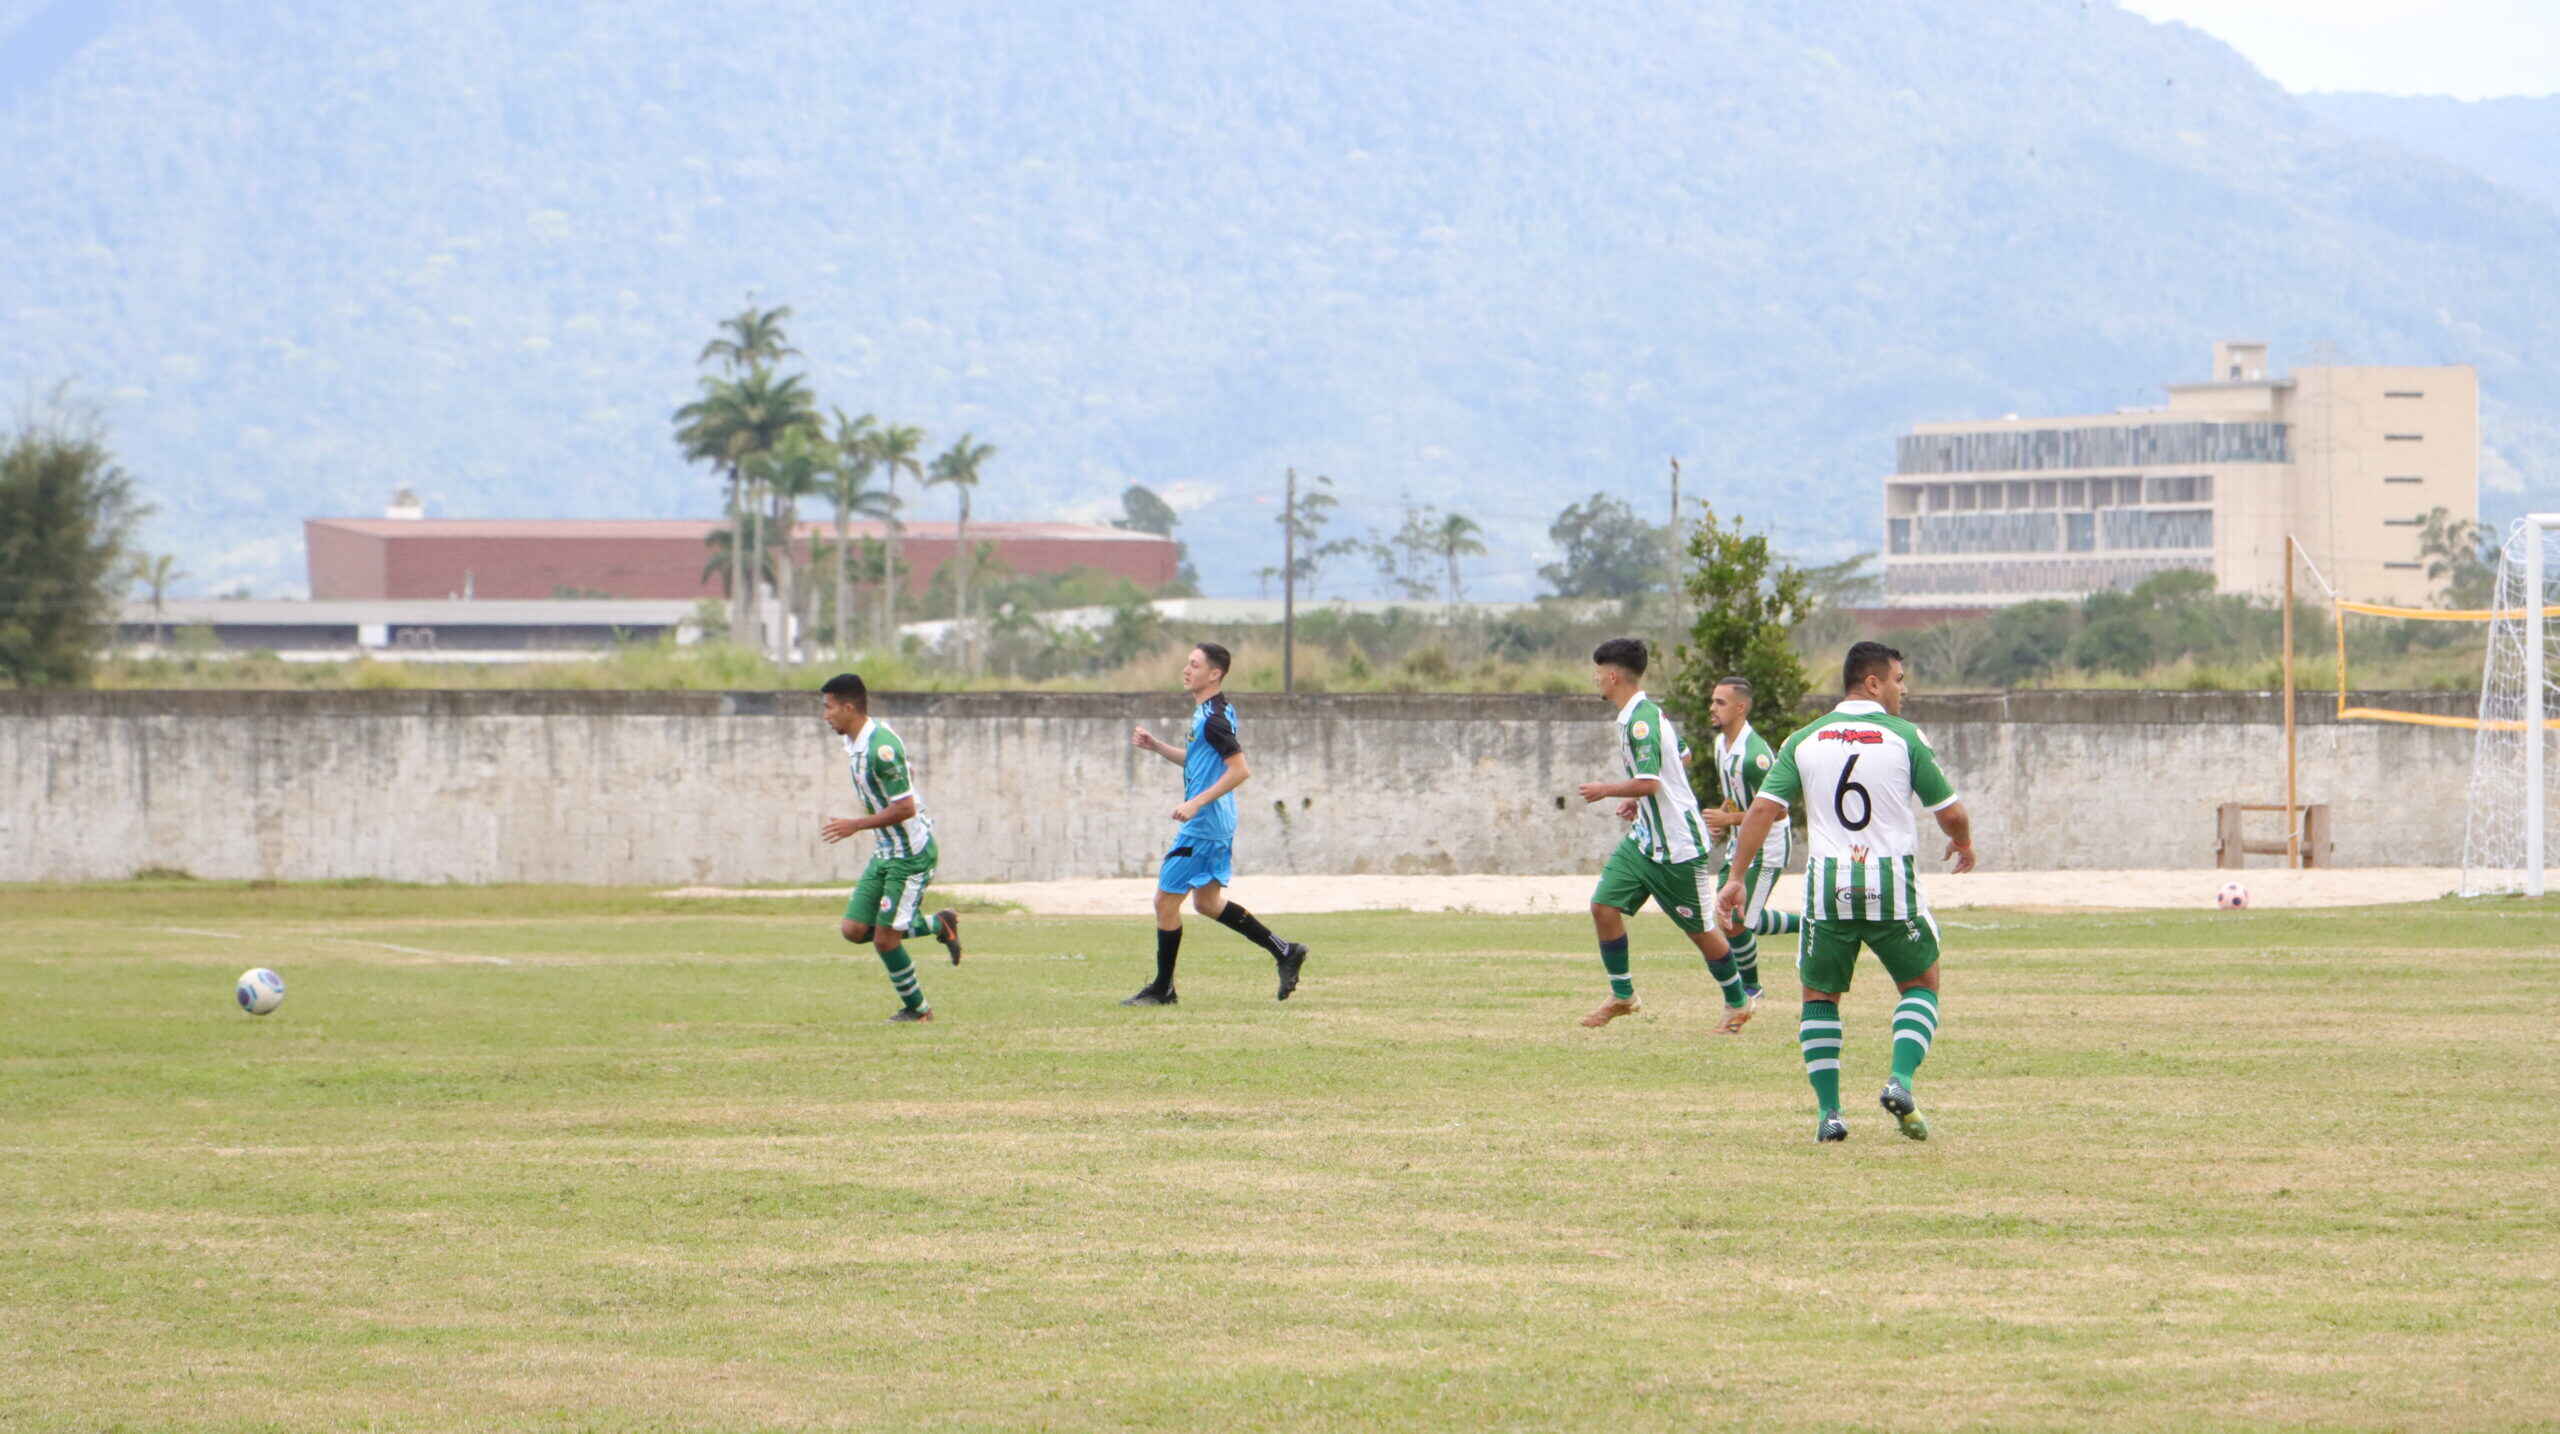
pixel 2537 528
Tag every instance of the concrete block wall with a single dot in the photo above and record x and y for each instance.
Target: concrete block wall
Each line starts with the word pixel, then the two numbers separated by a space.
pixel 617 788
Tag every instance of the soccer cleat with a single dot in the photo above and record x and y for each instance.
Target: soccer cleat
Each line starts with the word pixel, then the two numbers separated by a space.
pixel 1291 957
pixel 1736 1017
pixel 946 929
pixel 905 1015
pixel 1897 1102
pixel 1610 1010
pixel 1833 1128
pixel 1153 997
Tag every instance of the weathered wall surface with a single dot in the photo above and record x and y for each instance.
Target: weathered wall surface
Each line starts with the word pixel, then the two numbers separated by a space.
pixel 712 787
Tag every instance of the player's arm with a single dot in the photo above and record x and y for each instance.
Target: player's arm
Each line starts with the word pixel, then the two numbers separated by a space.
pixel 1146 741
pixel 1929 783
pixel 1236 775
pixel 1754 830
pixel 1647 781
pixel 898 811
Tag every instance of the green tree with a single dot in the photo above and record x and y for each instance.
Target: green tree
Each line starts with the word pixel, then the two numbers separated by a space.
pixel 1143 511
pixel 66 513
pixel 1609 552
pixel 157 572
pixel 957 468
pixel 750 339
pixel 734 420
pixel 2461 557
pixel 1305 522
pixel 1457 537
pixel 2027 641
pixel 1404 558
pixel 894 447
pixel 800 466
pixel 854 495
pixel 1747 604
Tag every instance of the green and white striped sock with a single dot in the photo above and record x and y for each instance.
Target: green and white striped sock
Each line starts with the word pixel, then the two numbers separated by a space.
pixel 1915 1025
pixel 1746 958
pixel 1818 1032
pixel 1728 976
pixel 1778 923
pixel 902 974
pixel 1613 955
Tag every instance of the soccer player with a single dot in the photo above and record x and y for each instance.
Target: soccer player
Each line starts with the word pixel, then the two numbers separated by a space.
pixel 886 903
pixel 1662 852
pixel 1202 861
pixel 1864 775
pixel 1743 761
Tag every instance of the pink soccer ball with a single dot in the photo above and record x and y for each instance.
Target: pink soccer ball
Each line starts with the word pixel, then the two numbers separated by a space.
pixel 2232 896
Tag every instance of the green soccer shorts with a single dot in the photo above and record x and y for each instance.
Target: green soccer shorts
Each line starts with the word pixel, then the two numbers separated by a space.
pixel 1758 880
pixel 1631 876
pixel 1829 954
pixel 891 890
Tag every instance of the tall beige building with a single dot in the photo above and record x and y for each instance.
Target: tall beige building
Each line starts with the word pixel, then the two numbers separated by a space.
pixel 2348 460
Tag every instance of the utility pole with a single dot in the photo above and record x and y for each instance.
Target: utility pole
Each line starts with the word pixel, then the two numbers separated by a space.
pixel 1289 588
pixel 1672 592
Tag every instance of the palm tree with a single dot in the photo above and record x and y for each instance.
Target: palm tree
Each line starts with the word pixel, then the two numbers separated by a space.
pixel 157 571
pixel 895 448
pixel 754 340
pixel 798 466
pixel 1457 537
pixel 956 468
pixel 734 420
pixel 849 486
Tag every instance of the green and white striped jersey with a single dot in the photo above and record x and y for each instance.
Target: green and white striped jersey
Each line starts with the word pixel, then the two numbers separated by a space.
pixel 1741 766
pixel 1667 826
pixel 881 775
pixel 1864 777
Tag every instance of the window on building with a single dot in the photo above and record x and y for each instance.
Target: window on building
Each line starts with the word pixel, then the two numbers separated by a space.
pixel 2022 495
pixel 2404 567
pixel 1898 535
pixel 2403 393
pixel 1941 497
pixel 2404 522
pixel 2404 478
pixel 2080 532
pixel 2075 492
pixel 1966 499
pixel 1992 497
pixel 2403 437
pixel 2048 493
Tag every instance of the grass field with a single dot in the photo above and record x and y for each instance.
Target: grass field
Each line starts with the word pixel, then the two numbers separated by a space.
pixel 665 1169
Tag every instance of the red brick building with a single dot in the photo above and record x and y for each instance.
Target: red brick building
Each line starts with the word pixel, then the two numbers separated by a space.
pixel 657 557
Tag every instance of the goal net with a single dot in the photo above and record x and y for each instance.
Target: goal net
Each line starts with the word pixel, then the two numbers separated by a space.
pixel 2514 774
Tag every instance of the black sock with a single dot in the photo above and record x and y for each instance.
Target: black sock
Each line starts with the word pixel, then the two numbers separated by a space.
pixel 1168 946
pixel 1242 922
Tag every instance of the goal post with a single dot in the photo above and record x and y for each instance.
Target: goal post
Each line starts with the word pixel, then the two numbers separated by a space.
pixel 2506 829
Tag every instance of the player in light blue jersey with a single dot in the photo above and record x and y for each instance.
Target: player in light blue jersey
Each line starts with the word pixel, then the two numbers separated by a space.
pixel 1202 860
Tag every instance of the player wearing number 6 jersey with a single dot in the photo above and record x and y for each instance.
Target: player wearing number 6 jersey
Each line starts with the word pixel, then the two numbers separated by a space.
pixel 1864 775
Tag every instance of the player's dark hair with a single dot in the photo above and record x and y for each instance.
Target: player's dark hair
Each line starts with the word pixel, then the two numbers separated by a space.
pixel 1738 684
pixel 1621 652
pixel 849 687
pixel 1219 657
pixel 1864 658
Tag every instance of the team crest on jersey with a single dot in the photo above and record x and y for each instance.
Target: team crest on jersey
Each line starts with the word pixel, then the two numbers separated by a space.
pixel 888 753
pixel 1642 730
pixel 1764 761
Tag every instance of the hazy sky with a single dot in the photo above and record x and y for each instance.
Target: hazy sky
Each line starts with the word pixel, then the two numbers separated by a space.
pixel 2470 49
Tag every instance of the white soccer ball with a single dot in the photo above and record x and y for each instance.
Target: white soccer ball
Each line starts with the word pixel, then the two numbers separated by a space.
pixel 260 991
pixel 2232 896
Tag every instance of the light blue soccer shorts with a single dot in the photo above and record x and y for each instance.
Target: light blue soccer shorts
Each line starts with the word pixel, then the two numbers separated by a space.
pixel 1194 864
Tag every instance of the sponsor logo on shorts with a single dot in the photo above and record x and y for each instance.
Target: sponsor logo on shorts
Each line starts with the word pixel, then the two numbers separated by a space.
pixel 1684 911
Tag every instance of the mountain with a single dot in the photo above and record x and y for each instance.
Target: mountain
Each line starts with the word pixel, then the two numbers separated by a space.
pixel 1489 254
pixel 2514 142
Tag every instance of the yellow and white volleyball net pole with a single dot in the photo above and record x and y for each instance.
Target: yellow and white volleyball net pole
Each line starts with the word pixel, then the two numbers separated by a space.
pixel 2506 825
